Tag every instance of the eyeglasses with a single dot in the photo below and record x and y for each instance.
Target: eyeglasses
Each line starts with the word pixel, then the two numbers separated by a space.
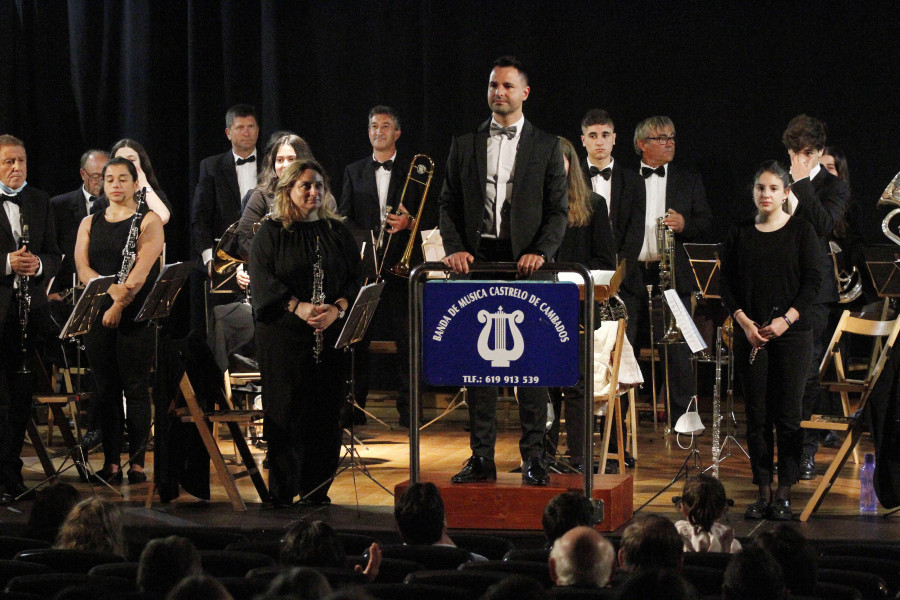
pixel 662 140
pixel 95 177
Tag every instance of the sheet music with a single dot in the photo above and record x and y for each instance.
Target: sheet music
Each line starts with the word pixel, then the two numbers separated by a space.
pixel 685 322
pixel 599 277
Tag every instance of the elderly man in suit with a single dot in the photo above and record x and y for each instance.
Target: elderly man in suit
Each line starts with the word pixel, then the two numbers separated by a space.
pixel 504 199
pixel 678 196
pixel 23 206
pixel 223 180
pixel 68 211
pixel 372 186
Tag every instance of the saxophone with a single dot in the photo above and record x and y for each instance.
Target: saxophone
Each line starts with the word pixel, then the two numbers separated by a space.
pixel 318 297
pixel 23 299
pixel 129 252
pixel 665 245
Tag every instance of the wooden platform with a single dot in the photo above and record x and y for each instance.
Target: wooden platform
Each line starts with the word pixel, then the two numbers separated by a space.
pixel 511 505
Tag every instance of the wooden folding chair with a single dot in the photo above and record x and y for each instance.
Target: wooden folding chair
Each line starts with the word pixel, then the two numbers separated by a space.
pixel 188 409
pixel 852 426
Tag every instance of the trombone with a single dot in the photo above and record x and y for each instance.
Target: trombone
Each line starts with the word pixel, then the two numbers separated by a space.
pixel 421 170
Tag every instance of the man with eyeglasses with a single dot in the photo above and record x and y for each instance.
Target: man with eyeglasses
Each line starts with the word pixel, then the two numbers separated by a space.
pixel 677 195
pixel 68 211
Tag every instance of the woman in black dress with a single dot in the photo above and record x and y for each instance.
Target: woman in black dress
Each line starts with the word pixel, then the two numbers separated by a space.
pixel 770 276
pixel 119 349
pixel 302 396
pixel 589 241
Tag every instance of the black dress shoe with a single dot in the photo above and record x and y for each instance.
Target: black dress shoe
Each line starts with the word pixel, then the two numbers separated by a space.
pixel 757 510
pixel 807 467
pixel 22 492
pixel 106 476
pixel 534 473
pixel 780 510
pixel 135 477
pixel 477 468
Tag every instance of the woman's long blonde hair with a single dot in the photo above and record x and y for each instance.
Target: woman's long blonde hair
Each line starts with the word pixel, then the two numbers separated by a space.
pixel 284 209
pixel 580 209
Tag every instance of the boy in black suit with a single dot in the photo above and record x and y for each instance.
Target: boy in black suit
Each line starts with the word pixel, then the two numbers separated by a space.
pixel 371 185
pixel 819 197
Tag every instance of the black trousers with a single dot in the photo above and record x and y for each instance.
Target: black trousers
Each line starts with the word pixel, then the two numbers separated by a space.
pixel 814 398
pixel 483 400
pixel 773 390
pixel 15 401
pixel 121 359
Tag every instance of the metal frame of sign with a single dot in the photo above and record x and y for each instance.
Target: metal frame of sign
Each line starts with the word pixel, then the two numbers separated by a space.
pixel 417 279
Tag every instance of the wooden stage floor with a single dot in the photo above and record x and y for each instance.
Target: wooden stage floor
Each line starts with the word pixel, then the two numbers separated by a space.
pixel 359 503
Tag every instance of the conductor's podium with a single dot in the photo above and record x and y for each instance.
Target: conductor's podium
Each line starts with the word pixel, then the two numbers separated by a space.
pixel 511 505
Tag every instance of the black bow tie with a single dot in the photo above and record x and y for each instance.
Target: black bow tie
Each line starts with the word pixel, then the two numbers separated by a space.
pixel 17 200
pixel 509 132
pixel 648 171
pixel 386 165
pixel 604 173
pixel 243 161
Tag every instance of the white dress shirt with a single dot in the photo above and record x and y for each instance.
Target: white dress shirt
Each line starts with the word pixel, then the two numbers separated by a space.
pixel 656 207
pixel 12 213
pixel 602 186
pixel 793 201
pixel 501 163
pixel 246 174
pixel 383 183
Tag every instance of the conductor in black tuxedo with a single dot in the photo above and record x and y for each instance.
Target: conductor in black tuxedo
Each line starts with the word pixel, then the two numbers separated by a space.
pixel 222 181
pixel 679 197
pixel 504 199
pixel 22 205
pixel 68 211
pixel 627 199
pixel 372 186
pixel 819 197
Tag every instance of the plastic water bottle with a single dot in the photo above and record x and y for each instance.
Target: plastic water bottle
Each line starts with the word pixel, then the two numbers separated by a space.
pixel 868 501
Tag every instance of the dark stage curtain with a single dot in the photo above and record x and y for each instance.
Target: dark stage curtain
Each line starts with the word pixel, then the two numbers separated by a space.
pixel 86 73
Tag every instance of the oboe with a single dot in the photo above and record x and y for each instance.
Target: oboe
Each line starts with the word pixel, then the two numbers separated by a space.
pixel 129 252
pixel 23 297
pixel 318 297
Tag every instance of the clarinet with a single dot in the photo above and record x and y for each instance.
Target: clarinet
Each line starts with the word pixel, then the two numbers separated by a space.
pixel 318 297
pixel 23 298
pixel 129 252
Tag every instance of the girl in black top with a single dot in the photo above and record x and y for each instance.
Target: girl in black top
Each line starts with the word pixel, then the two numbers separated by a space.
pixel 770 276
pixel 120 351
pixel 302 397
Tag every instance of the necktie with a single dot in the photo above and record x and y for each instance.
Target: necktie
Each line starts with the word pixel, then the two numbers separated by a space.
pixel 242 161
pixel 386 165
pixel 17 200
pixel 509 132
pixel 648 171
pixel 604 173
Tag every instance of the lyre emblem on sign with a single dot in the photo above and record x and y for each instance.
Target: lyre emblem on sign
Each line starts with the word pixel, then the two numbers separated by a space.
pixel 500 322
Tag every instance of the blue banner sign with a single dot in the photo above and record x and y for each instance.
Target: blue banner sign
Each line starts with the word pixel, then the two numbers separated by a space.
pixel 506 333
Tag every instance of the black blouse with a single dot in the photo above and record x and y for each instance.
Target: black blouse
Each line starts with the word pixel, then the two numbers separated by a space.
pixel 281 265
pixel 592 245
pixel 763 271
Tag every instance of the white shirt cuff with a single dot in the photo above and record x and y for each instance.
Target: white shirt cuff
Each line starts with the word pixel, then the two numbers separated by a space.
pixel 206 255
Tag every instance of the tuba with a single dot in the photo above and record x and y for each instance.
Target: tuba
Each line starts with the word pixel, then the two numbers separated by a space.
pixel 665 245
pixel 849 284
pixel 891 197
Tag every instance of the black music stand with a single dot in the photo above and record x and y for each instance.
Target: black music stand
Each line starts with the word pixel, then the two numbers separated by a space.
pixel 158 305
pixel 704 261
pixel 358 320
pixel 79 323
pixel 883 263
